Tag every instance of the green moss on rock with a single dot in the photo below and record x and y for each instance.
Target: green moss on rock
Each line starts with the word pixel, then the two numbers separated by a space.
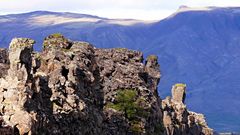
pixel 180 85
pixel 152 58
pixel 21 43
pixel 121 49
pixel 57 35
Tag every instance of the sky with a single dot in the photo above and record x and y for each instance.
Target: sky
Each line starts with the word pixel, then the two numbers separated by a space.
pixel 134 9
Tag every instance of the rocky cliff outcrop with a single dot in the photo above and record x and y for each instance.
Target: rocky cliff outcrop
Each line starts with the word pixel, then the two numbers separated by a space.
pixel 74 88
pixel 178 120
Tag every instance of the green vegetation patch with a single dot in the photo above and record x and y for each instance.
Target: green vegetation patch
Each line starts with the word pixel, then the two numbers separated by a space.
pixel 128 102
pixel 180 85
pixel 152 58
pixel 121 49
pixel 57 35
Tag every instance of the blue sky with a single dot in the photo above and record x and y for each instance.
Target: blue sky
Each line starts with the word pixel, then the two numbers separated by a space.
pixel 136 9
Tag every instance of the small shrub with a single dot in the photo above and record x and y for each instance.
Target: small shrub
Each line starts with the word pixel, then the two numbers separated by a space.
pixel 127 102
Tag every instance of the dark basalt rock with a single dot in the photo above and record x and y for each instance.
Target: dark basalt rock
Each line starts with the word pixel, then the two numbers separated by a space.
pixel 73 88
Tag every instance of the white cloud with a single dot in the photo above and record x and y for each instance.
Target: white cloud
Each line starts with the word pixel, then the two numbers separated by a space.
pixel 138 9
pixel 218 3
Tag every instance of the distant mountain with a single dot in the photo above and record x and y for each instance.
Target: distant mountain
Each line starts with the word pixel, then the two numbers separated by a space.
pixel 101 31
pixel 199 47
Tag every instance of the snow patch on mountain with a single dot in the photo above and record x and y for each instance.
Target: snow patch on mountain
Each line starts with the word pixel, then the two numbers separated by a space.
pixel 54 20
pixel 186 8
pixel 46 20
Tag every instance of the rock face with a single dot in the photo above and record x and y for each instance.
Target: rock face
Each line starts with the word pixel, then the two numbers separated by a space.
pixel 4 62
pixel 178 120
pixel 74 88
pixel 122 69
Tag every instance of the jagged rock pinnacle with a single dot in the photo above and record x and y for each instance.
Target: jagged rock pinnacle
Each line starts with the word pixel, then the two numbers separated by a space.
pixel 178 120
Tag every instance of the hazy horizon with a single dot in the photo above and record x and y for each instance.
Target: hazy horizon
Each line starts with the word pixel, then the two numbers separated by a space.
pixel 134 9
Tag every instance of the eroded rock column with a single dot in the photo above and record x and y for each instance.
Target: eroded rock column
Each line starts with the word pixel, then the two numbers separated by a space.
pixel 15 89
pixel 179 92
pixel 178 120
